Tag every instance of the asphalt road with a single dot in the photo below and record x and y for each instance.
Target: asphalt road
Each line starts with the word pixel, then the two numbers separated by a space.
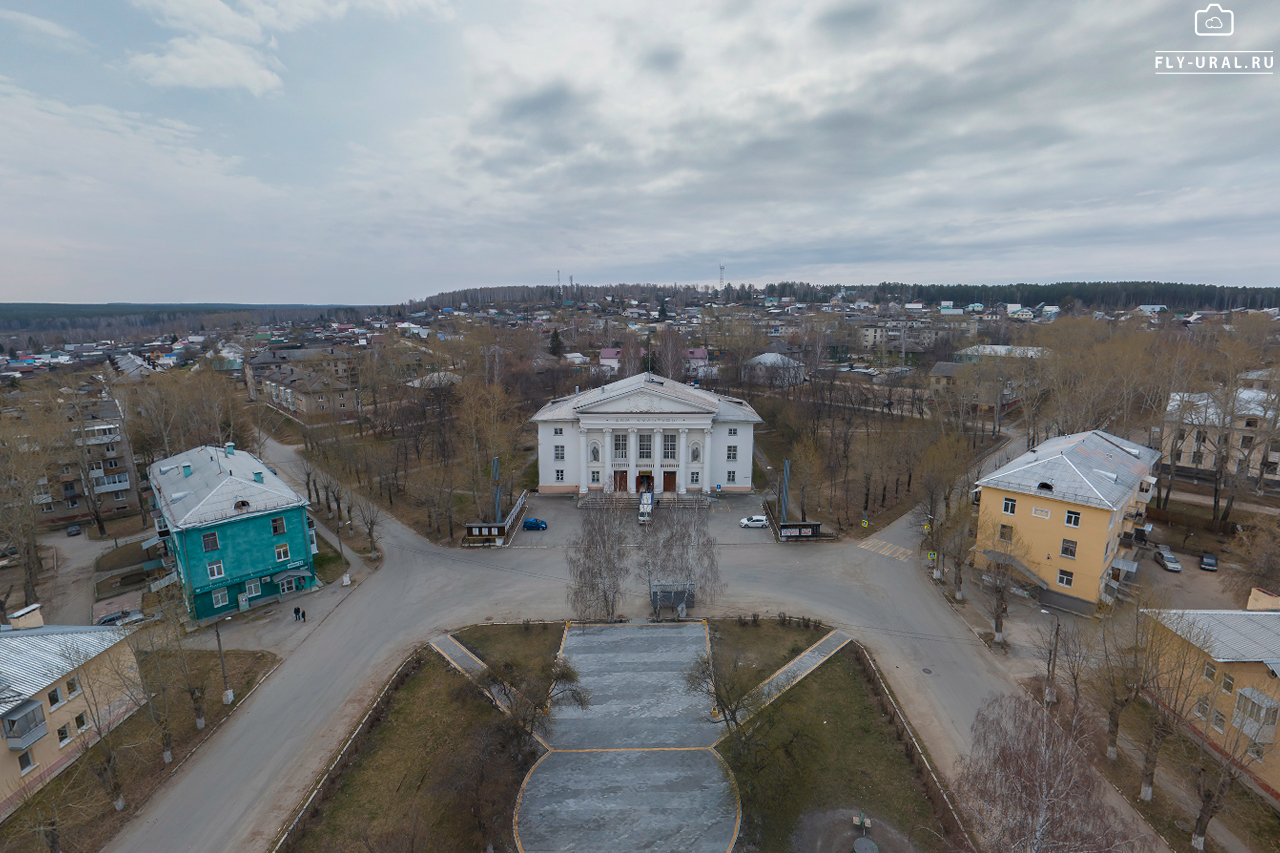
pixel 244 783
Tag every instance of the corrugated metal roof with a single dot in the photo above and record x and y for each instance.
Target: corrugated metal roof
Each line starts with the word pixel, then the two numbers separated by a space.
pixel 33 658
pixel 1230 635
pixel 1091 468
pixel 212 491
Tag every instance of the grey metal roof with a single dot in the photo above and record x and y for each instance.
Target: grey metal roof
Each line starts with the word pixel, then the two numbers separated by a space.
pixel 1207 408
pixel 210 494
pixel 33 658
pixel 649 394
pixel 1228 635
pixel 1090 468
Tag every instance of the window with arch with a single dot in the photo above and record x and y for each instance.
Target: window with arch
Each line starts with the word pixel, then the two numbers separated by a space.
pixel 695 453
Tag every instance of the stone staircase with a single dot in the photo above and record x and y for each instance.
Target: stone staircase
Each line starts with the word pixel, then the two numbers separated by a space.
pixel 632 501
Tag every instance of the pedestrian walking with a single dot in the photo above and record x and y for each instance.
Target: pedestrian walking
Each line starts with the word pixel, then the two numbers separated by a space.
pixel 304 616
pixel 296 611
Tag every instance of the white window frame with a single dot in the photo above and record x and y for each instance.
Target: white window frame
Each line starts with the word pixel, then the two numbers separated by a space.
pixel 644 446
pixel 55 698
pixel 253 588
pixel 1210 672
pixel 220 594
pixel 731 476
pixel 694 476
pixel 81 727
pixel 595 476
pixel 669 449
pixel 559 475
pixel 733 430
pixel 1228 682
pixel 284 528
pixel 731 453
pixel 557 431
pixel 216 570
pixel 1075 546
pixel 283 546
pixel 73 687
pixel 1010 506
pixel 65 729
pixel 1066 578
pixel 31 762
pixel 1218 715
pixel 620 446
pixel 558 453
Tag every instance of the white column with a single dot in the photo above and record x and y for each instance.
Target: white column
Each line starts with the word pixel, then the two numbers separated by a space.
pixel 584 476
pixel 706 461
pixel 682 453
pixel 657 460
pixel 633 451
pixel 607 458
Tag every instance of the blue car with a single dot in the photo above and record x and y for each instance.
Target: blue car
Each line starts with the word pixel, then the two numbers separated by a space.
pixel 534 524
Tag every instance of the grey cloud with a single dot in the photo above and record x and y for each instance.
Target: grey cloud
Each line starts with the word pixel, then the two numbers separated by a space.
pixel 664 60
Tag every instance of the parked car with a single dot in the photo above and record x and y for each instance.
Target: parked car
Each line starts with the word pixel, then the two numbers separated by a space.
pixel 754 521
pixel 1168 559
pixel 1208 562
pixel 534 524
pixel 74 530
pixel 8 555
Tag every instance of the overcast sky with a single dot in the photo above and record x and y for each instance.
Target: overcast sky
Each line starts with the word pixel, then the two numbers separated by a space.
pixel 376 150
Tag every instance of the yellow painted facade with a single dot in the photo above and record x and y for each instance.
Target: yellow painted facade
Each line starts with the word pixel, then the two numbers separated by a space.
pixel 99 692
pixel 1236 709
pixel 1043 539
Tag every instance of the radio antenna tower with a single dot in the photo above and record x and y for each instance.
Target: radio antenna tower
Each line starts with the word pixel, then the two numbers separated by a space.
pixel 722 276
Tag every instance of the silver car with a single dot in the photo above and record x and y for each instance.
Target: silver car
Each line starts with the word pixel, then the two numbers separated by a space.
pixel 754 521
pixel 1168 559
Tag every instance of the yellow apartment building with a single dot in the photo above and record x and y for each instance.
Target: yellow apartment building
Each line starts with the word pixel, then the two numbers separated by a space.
pixel 59 684
pixel 1238 704
pixel 1063 515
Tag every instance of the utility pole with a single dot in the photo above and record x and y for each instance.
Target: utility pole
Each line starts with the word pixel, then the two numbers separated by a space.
pixel 497 492
pixel 785 497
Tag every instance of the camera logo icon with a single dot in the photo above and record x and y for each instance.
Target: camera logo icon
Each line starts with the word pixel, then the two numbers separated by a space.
pixel 1213 20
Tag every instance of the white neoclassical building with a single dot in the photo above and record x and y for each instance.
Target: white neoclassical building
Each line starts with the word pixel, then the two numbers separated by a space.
pixel 645 432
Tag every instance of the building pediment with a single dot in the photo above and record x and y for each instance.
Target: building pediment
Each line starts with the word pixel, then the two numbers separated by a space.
pixel 643 401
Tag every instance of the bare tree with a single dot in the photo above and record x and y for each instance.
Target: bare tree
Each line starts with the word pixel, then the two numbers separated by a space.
pixel 1175 685
pixel 108 690
pixel 598 562
pixel 1028 785
pixel 677 548
pixel 1121 667
pixel 728 684
pixel 368 514
pixel 631 356
pixel 668 356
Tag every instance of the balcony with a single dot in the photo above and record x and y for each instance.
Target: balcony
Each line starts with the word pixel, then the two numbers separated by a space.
pixel 24 725
pixel 110 483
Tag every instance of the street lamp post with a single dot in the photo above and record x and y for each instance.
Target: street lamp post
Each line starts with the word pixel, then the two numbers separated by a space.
pixel 228 695
pixel 1050 689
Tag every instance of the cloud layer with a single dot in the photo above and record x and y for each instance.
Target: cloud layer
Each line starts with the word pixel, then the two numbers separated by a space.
pixel 360 150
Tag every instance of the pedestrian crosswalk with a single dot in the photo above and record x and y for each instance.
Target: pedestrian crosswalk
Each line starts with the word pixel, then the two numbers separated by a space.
pixel 888 549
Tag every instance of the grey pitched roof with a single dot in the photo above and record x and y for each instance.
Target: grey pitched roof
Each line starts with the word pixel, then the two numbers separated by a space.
pixel 1092 468
pixel 1207 408
pixel 659 395
pixel 1228 635
pixel 210 494
pixel 33 658
pixel 946 368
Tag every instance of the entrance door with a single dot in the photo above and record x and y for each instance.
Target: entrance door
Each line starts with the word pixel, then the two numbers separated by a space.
pixel 644 482
pixel 619 481
pixel 668 481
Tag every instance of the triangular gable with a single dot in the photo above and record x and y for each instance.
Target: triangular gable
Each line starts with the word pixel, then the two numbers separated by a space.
pixel 645 399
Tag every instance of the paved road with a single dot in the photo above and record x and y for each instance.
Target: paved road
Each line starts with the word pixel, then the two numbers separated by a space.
pixel 245 782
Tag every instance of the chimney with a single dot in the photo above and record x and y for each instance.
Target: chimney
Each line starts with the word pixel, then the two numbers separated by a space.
pixel 231 448
pixel 257 476
pixel 27 617
pixel 186 470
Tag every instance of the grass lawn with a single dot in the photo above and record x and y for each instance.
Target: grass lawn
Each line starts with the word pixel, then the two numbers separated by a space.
pixel 769 645
pixel 398 778
pixel 399 784
pixel 328 562
pixel 121 558
pixel 853 760
pixel 80 802
pixel 852 757
pixel 117 528
pixel 526 647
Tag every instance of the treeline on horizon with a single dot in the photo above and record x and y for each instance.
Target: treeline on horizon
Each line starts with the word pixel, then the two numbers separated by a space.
pixel 1096 295
pixel 71 323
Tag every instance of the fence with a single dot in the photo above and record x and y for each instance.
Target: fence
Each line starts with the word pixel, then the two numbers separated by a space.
pixel 934 789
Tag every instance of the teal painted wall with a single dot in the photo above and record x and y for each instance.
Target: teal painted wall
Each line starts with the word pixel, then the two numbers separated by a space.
pixel 247 549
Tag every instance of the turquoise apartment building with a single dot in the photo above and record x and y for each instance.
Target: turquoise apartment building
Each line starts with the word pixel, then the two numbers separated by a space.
pixel 239 534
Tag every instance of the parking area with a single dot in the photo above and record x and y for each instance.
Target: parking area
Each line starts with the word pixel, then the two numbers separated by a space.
pixel 563 517
pixel 1192 588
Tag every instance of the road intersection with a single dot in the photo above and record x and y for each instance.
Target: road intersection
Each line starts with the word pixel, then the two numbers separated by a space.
pixel 251 775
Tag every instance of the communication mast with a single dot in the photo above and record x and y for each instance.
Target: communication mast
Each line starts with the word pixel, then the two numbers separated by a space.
pixel 722 276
